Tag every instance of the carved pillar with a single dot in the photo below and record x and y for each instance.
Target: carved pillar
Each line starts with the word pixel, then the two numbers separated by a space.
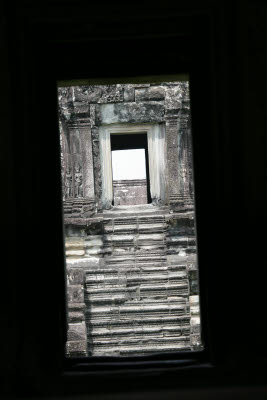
pixel 77 164
pixel 185 167
pixel 87 160
pixel 179 147
pixel 172 151
pixel 82 191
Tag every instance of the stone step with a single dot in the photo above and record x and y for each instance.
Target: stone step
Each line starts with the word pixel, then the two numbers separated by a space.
pixel 140 351
pixel 131 267
pixel 130 311
pixel 147 340
pixel 130 237
pixel 118 295
pixel 146 320
pixel 145 345
pixel 139 331
pixel 180 241
pixel 134 228
pixel 136 210
pixel 152 256
pixel 128 279
pixel 90 291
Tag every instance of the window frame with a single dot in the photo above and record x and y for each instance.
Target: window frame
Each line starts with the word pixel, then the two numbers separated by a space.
pixel 157 178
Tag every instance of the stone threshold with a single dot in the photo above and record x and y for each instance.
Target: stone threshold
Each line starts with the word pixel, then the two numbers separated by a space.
pixel 133 210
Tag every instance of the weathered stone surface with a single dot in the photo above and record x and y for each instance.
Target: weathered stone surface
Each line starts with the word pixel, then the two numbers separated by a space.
pixel 90 94
pixel 75 276
pixel 75 294
pixel 139 263
pixel 173 99
pixel 193 279
pixel 78 348
pixel 129 94
pixel 81 108
pixel 131 113
pixel 130 192
pixel 77 332
pixel 152 93
pixel 74 245
pixel 75 316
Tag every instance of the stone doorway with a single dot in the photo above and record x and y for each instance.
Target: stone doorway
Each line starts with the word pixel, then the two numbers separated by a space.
pixel 155 145
pixel 130 167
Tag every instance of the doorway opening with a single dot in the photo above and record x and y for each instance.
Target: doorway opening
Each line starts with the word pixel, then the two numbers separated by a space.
pixel 130 169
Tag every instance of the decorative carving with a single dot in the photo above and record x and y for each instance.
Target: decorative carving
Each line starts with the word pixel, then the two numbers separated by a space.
pixel 68 183
pixel 78 181
pixel 117 97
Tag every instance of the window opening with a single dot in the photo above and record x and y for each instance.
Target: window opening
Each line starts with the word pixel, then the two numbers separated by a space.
pixel 130 168
pixel 132 271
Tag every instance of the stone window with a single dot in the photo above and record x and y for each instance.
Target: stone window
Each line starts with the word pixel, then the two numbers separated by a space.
pixel 132 275
pixel 148 136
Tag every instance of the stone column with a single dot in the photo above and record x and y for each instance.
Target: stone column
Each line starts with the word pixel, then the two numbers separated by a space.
pixel 179 145
pixel 185 167
pixel 172 154
pixel 87 160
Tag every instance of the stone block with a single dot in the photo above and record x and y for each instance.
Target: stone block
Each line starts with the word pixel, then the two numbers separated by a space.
pixel 194 300
pixel 74 243
pixel 75 276
pixel 154 93
pixel 77 331
pixel 94 240
pixel 129 94
pixel 173 98
pixel 75 294
pixel 81 108
pixel 196 342
pixel 75 316
pixel 77 348
pixel 76 253
pixel 193 279
pixel 141 85
pixel 131 112
pixel 74 246
pixel 77 307
pixel 94 93
pixel 82 263
pixel 194 310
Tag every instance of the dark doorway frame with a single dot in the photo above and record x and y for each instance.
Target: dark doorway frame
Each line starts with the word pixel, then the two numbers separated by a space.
pixel 130 142
pixel 205 40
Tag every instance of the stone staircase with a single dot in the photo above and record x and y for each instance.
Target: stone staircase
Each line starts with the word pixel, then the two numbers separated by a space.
pixel 137 299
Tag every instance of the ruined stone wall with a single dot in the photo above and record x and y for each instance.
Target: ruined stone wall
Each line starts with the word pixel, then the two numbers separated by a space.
pixel 83 109
pixel 130 192
pixel 91 247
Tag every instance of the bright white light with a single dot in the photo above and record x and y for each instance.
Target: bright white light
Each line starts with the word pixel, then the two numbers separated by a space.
pixel 129 164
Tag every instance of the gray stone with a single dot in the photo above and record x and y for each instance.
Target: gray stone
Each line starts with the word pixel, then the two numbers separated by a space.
pixel 77 332
pixel 81 108
pixel 75 276
pixel 153 93
pixel 76 348
pixel 131 113
pixel 75 294
pixel 135 262
pixel 173 99
pixel 129 94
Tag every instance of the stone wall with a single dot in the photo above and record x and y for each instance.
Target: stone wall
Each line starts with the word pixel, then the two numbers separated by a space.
pixel 132 275
pixel 130 192
pixel 83 109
